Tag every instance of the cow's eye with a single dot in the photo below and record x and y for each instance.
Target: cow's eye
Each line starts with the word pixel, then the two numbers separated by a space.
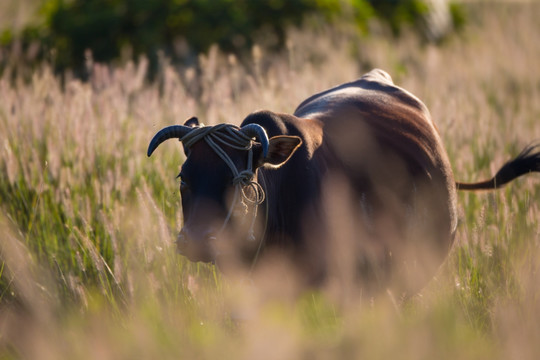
pixel 183 185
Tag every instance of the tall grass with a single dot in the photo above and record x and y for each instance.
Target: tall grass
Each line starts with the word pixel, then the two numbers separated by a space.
pixel 87 266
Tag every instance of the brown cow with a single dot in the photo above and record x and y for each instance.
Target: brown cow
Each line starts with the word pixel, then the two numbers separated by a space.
pixel 369 143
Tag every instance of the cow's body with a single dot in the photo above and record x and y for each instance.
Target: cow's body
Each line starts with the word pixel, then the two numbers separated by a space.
pixel 379 140
pixel 361 164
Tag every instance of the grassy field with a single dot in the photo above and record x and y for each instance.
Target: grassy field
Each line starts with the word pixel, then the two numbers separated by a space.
pixel 87 222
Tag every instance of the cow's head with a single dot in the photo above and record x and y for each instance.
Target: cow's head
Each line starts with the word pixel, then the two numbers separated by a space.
pixel 218 180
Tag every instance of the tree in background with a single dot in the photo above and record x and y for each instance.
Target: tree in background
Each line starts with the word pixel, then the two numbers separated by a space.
pixel 112 29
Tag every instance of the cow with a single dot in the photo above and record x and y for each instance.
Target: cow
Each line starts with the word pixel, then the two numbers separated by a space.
pixel 265 185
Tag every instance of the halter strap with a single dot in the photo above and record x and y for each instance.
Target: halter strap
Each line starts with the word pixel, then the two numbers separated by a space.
pixel 229 135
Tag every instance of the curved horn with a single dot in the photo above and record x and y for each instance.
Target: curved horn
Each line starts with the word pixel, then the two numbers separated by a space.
pixel 174 131
pixel 258 132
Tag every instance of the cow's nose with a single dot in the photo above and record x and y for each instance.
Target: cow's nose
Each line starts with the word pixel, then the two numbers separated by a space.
pixel 196 248
pixel 181 242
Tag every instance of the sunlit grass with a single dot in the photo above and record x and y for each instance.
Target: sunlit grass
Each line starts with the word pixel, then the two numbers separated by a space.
pixel 88 268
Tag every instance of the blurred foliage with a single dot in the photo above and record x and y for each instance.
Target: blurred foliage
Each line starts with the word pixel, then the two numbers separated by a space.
pixel 114 29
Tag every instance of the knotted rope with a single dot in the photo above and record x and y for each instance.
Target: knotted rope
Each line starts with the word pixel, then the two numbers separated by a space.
pixel 230 135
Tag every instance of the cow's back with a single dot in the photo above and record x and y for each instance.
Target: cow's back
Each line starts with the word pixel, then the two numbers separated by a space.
pixel 373 107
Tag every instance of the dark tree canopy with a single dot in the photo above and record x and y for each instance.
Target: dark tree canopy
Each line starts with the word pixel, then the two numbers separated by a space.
pixel 180 28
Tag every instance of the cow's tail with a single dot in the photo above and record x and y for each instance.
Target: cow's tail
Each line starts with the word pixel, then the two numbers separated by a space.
pixel 526 162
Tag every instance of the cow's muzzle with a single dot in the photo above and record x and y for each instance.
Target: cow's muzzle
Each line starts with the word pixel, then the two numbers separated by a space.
pixel 198 248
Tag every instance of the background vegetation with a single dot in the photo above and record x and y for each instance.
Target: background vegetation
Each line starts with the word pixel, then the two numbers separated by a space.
pixel 67 32
pixel 87 222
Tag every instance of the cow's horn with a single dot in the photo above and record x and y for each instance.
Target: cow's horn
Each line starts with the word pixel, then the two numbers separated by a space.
pixel 170 132
pixel 258 132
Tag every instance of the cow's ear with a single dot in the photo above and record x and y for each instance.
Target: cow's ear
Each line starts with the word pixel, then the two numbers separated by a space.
pixel 192 122
pixel 280 150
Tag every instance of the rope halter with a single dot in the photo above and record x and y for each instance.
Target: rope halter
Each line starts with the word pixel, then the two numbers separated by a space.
pixel 246 189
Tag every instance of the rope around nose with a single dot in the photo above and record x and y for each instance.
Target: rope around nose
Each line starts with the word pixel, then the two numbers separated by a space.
pixel 230 135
